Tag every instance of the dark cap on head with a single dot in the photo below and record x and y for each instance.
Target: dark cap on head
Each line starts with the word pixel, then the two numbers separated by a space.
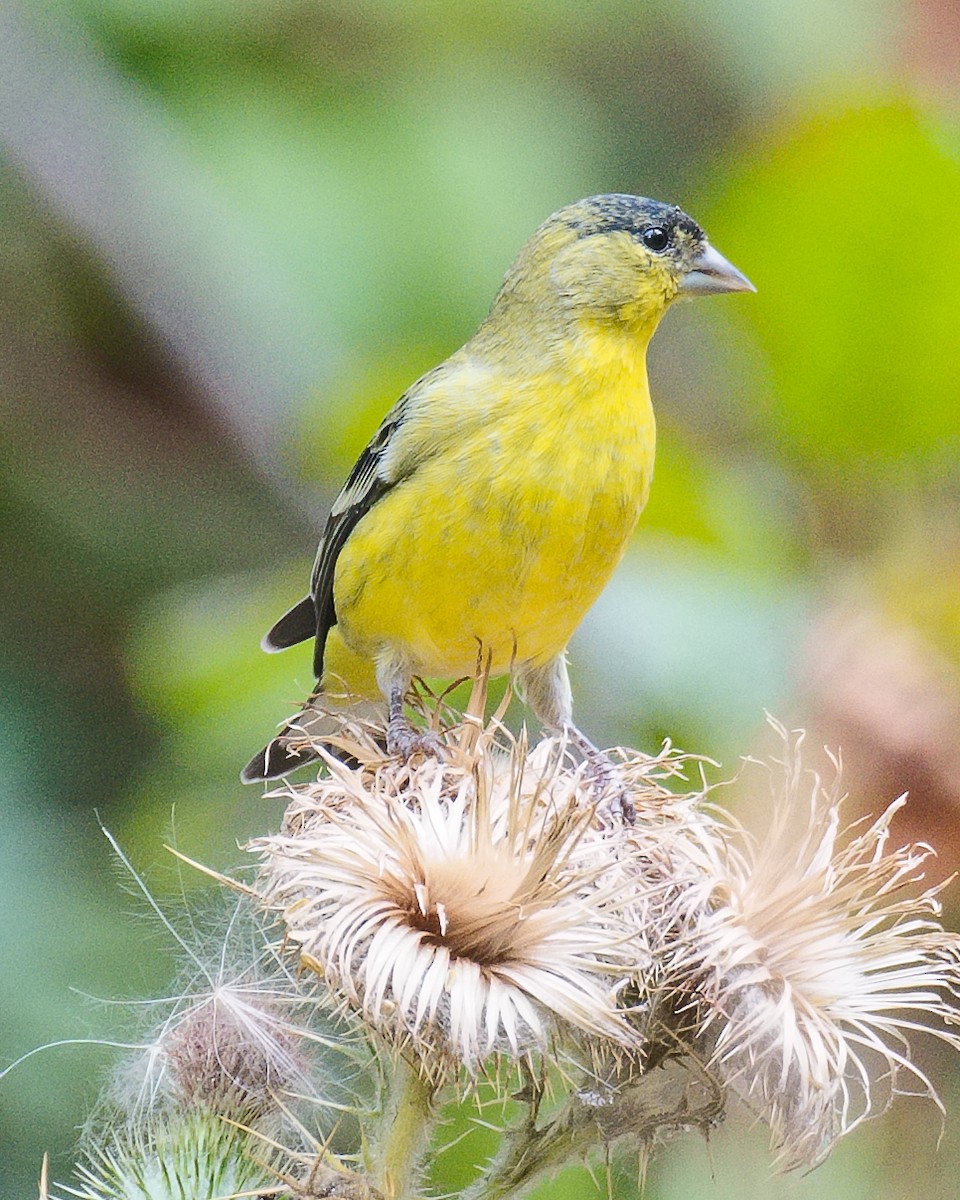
pixel 618 212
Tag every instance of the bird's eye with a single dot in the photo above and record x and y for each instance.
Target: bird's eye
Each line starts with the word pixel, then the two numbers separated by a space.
pixel 655 238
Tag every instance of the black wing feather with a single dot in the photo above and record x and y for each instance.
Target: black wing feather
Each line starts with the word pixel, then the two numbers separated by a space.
pixel 360 493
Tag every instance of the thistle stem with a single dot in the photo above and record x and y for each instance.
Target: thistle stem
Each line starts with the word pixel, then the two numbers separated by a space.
pixel 527 1152
pixel 406 1123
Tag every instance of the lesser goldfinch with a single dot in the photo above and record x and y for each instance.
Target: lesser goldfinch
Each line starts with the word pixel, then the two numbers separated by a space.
pixel 499 493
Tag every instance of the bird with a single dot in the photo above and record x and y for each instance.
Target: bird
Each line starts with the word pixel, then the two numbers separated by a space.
pixel 493 503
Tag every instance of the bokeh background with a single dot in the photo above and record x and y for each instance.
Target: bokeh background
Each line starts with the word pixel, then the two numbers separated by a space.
pixel 232 232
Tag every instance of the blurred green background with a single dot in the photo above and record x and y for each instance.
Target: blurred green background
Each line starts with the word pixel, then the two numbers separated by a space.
pixel 231 233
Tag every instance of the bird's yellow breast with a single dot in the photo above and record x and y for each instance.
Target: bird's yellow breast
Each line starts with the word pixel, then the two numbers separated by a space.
pixel 503 539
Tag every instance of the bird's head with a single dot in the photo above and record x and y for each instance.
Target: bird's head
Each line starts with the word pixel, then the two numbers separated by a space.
pixel 616 259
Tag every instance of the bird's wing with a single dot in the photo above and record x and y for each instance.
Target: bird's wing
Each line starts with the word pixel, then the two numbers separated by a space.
pixel 314 615
pixel 423 423
pixel 365 485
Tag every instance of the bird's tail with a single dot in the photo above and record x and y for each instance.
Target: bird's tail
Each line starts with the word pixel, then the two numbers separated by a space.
pixel 294 746
pixel 348 691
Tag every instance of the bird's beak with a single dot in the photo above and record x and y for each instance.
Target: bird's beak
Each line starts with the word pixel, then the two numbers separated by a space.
pixel 711 273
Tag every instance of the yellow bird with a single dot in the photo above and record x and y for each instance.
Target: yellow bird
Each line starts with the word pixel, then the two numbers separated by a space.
pixel 497 496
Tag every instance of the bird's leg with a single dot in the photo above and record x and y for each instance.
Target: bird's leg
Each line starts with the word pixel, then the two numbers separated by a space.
pixel 547 691
pixel 402 737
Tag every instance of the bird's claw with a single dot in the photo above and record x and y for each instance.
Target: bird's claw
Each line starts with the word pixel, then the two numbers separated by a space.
pixel 612 796
pixel 406 741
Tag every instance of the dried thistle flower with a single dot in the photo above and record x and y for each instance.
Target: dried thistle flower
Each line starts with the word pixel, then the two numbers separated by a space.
pixel 465 907
pixel 240 1057
pixel 821 955
pixel 232 1056
pixel 236 1037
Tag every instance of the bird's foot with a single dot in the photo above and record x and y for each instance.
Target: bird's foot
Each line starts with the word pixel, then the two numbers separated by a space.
pixel 612 795
pixel 405 740
pixel 610 791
